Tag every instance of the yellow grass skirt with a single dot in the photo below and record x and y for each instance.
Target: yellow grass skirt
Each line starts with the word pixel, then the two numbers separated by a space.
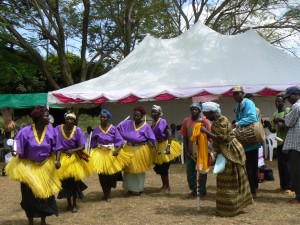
pixel 74 166
pixel 42 178
pixel 105 163
pixel 175 150
pixel 143 156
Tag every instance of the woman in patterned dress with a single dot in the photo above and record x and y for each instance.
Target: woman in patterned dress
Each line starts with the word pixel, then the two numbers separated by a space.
pixel 34 167
pixel 233 189
pixel 71 161
pixel 107 155
pixel 169 149
pixel 142 143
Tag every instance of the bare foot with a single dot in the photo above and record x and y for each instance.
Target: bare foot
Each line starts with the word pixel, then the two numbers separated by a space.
pixel 161 189
pixel 74 210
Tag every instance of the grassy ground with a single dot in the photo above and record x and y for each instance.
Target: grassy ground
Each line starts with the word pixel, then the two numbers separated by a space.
pixel 155 208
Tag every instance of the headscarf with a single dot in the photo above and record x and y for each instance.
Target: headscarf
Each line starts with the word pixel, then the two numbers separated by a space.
pixel 140 109
pixel 158 109
pixel 70 114
pixel 105 111
pixel 38 112
pixel 196 105
pixel 51 119
pixel 211 106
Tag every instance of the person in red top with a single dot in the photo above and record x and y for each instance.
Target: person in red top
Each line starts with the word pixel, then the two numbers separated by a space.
pixel 190 150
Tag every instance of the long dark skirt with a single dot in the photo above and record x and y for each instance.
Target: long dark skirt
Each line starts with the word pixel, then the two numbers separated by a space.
pixel 162 169
pixel 71 187
pixel 37 207
pixel 110 180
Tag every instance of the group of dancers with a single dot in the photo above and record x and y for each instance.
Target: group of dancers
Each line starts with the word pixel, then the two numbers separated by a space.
pixel 50 161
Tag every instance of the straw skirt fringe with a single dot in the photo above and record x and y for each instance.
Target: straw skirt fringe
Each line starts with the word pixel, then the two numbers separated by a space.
pixel 143 156
pixel 104 162
pixel 74 166
pixel 175 151
pixel 42 178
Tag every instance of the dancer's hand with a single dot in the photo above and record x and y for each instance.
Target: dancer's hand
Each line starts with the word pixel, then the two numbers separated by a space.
pixel 57 164
pixel 116 152
pixel 69 152
pixel 167 151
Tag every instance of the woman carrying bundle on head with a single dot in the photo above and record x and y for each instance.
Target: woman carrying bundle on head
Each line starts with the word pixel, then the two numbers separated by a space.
pixel 34 167
pixel 71 160
pixel 107 155
pixel 169 149
pixel 233 189
pixel 140 141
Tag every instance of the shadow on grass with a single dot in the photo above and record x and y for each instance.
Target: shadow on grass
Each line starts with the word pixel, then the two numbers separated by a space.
pixel 94 196
pixel 18 221
pixel 180 210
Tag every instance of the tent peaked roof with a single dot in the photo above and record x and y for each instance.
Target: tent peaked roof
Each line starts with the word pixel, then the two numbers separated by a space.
pixel 198 62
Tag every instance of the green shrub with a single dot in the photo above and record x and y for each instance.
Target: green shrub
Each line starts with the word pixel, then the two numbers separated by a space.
pixel 85 120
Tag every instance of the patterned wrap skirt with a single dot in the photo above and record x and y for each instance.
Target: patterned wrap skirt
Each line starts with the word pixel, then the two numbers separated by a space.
pixel 42 178
pixel 233 190
pixel 175 151
pixel 104 162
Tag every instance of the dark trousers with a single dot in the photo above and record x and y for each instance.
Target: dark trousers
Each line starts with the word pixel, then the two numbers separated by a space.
pixel 252 169
pixel 284 169
pixel 295 171
pixel 191 173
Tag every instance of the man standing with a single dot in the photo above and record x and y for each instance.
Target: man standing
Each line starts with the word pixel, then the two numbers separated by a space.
pixel 245 114
pixel 292 141
pixel 190 149
pixel 281 130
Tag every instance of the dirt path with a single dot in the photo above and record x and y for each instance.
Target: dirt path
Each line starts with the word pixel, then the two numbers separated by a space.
pixel 153 208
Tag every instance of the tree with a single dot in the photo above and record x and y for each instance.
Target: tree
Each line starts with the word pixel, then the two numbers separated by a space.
pixel 18 74
pixel 276 20
pixel 103 32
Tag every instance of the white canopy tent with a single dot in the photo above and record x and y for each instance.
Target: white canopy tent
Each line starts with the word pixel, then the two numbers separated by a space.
pixel 198 63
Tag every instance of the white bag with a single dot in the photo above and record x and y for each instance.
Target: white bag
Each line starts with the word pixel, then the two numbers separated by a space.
pixel 220 164
pixel 8 157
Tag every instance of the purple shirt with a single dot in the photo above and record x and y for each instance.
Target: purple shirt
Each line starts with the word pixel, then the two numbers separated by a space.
pixel 29 147
pixel 135 136
pixel 160 129
pixel 76 139
pixel 111 136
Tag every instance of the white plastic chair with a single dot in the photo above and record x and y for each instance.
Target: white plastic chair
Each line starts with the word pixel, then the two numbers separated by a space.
pixel 272 143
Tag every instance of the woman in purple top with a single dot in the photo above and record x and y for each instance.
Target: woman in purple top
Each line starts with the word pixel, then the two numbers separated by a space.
pixel 107 155
pixel 170 149
pixel 34 167
pixel 71 161
pixel 140 141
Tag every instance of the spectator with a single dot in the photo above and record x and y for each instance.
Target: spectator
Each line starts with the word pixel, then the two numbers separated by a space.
pixel 245 114
pixel 291 144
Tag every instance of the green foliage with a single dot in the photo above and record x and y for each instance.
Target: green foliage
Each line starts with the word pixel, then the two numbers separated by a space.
pixel 23 121
pixel 17 74
pixel 55 68
pixel 85 120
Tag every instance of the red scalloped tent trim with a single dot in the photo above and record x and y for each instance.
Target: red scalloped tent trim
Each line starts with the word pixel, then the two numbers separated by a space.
pixel 161 97
pixel 67 100
pixel 99 100
pixel 164 97
pixel 129 99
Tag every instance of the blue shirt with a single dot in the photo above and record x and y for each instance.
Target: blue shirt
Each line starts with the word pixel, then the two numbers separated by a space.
pixel 245 114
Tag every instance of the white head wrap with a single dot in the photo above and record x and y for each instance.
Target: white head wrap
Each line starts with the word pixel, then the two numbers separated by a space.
pixel 158 109
pixel 70 114
pixel 51 119
pixel 211 106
